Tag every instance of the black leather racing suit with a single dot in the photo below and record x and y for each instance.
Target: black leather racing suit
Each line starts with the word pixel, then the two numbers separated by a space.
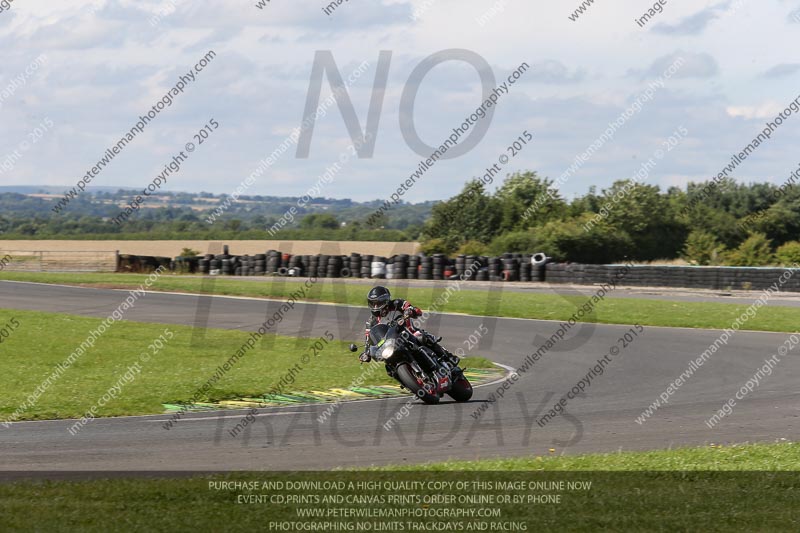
pixel 403 306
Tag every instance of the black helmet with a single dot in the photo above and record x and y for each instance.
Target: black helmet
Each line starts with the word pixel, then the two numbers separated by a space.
pixel 378 300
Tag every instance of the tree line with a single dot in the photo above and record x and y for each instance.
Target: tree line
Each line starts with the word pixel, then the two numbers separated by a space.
pixel 729 223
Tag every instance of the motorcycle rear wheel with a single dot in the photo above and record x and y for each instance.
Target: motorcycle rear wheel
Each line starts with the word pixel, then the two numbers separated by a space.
pixel 412 383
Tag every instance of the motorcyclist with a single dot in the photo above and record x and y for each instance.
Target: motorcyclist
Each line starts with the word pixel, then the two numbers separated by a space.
pixel 380 304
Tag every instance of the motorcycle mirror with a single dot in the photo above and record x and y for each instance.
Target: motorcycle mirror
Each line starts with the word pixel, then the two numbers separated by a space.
pixel 353 348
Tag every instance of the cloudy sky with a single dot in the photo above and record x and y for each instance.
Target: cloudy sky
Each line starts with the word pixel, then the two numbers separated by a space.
pixel 103 63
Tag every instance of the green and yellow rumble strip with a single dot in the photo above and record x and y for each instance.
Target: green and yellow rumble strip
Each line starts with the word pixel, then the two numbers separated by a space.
pixel 477 376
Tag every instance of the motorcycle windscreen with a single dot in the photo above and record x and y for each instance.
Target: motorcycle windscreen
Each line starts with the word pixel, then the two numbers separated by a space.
pixel 378 333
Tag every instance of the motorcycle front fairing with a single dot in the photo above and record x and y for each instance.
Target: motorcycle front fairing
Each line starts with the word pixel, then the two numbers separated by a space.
pixel 389 340
pixel 383 343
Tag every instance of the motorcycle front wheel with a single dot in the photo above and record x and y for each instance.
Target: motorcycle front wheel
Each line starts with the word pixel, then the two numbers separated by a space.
pixel 415 384
pixel 461 390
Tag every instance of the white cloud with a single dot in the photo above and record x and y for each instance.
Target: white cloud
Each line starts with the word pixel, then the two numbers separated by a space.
pixel 767 110
pixel 108 65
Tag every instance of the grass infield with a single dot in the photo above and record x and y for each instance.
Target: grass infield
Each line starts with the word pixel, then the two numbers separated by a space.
pixel 37 342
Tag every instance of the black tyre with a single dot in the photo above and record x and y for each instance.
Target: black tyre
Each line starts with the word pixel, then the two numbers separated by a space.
pixel 412 383
pixel 461 391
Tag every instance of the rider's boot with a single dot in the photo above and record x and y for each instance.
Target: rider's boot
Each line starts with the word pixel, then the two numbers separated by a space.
pixel 442 354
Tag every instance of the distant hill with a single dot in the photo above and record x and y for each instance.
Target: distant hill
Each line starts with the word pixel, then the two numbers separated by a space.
pixel 52 189
pixel 26 211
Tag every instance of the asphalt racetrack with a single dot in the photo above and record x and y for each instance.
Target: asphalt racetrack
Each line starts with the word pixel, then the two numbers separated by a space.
pixel 291 438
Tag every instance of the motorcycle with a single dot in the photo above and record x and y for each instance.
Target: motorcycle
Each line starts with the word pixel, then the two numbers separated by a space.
pixel 415 365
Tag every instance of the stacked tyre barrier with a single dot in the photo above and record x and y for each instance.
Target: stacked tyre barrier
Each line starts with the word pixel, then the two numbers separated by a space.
pixel 687 277
pixel 509 267
pixel 378 267
pixel 438 263
pixel 414 265
pixel 366 266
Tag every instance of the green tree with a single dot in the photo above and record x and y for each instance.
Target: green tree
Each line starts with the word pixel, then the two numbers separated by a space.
pixel 780 222
pixel 233 225
pixel 756 250
pixel 319 221
pixel 703 248
pixel 377 221
pixel 788 254
pixel 647 217
pixel 435 246
pixel 473 248
pixel 570 241
pixel 472 215
pixel 527 200
pixel 516 241
pixel 188 252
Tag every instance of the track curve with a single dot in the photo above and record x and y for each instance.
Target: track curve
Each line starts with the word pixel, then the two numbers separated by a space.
pixel 293 439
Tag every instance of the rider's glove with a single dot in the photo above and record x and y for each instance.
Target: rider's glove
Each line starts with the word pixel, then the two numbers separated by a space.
pixel 408 313
pixel 364 358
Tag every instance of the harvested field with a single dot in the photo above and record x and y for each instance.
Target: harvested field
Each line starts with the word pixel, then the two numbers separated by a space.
pixel 173 248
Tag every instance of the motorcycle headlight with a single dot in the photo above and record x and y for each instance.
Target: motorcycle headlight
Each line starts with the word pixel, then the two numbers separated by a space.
pixel 387 349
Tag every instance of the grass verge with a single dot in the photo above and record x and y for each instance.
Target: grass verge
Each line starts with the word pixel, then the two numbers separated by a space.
pixel 41 341
pixel 506 304
pixel 743 457
pixel 641 497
